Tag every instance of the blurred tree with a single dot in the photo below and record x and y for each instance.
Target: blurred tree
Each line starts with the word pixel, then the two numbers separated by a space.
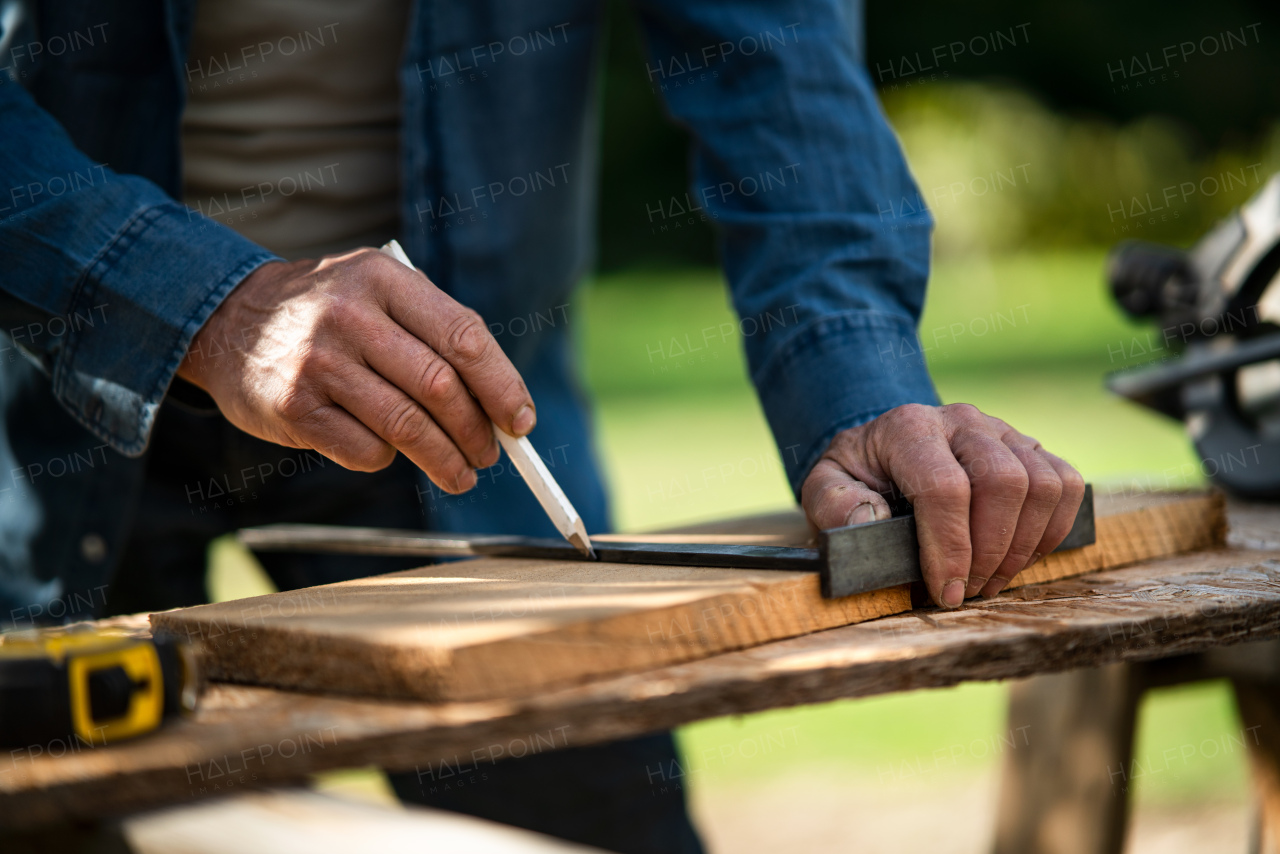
pixel 1218 77
pixel 1202 74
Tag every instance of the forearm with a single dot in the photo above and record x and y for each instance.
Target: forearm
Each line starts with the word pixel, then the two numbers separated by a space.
pixel 805 183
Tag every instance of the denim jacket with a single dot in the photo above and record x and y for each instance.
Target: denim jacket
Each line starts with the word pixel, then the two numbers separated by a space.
pixel 106 277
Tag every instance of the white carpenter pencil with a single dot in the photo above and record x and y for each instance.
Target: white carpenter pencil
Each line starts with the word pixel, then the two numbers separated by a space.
pixel 530 465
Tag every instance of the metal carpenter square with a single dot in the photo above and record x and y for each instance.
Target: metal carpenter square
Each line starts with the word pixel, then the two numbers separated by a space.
pixel 386 541
pixel 854 559
pixel 875 555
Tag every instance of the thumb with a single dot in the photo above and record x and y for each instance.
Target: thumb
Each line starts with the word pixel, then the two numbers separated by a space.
pixel 832 498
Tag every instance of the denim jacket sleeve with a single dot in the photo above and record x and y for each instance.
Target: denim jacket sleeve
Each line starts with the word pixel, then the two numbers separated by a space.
pixel 106 279
pixel 824 239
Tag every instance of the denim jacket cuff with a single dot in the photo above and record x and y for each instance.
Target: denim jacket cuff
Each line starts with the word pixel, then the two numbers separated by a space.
pixel 837 372
pixel 138 305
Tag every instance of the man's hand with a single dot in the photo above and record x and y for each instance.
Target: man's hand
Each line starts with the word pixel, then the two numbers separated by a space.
pixel 988 501
pixel 358 356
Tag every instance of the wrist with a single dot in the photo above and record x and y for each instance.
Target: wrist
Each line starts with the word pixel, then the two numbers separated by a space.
pixel 225 332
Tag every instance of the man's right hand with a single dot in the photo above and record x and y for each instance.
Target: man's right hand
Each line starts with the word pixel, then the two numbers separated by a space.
pixel 357 356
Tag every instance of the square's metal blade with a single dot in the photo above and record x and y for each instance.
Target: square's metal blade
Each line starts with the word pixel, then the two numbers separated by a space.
pixel 875 555
pixel 855 559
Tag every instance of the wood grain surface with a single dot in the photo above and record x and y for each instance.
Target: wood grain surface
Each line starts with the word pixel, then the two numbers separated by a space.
pixel 245 736
pixel 1131 528
pixel 503 628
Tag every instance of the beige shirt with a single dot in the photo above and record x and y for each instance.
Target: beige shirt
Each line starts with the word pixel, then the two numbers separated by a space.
pixel 291 133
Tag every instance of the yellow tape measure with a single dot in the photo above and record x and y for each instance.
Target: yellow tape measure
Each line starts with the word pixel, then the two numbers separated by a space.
pixel 93 686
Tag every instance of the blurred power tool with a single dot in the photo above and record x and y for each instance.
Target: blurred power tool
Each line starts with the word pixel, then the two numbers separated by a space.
pixel 64 689
pixel 1218 305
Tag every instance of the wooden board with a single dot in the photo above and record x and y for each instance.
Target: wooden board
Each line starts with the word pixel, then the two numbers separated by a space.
pixel 1133 528
pixel 246 736
pixel 508 628
pixel 1252 526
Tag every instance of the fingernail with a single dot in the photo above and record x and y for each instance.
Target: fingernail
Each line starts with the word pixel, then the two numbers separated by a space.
pixel 491 454
pixel 953 593
pixel 524 420
pixel 1035 556
pixel 861 514
pixel 467 480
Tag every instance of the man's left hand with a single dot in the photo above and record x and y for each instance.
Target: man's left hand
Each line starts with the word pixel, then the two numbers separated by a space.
pixel 989 502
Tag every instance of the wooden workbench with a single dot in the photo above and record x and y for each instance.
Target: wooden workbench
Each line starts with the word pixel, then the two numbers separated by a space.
pixel 248 736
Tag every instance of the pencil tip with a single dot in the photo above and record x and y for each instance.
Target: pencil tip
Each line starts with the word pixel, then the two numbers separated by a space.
pixel 582 543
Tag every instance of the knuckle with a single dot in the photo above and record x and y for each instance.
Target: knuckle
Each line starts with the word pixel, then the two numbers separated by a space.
pixel 516 393
pixel 370 260
pixel 438 381
pixel 404 423
pixel 991 556
pixel 1015 565
pixel 842 444
pixel 1016 558
pixel 950 484
pixel 1045 488
pixel 343 313
pixel 911 424
pixel 1072 483
pixel 912 414
pixel 373 457
pixel 826 504
pixel 829 499
pixel 1014 483
pixel 966 412
pixel 1014 438
pixel 1001 428
pixel 321 363
pixel 451 474
pixel 947 561
pixel 379 270
pixel 467 337
pixel 476 432
pixel 1012 479
pixel 298 405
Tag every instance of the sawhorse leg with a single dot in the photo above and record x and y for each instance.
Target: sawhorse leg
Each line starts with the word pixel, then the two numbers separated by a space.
pixel 1066 790
pixel 1259 704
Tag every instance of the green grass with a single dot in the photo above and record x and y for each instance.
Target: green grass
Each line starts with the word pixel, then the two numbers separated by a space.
pixel 638 330
pixel 688 456
pixel 1026 338
pixel 683 439
pixel 627 324
pixel 892 739
pixel 1189 746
